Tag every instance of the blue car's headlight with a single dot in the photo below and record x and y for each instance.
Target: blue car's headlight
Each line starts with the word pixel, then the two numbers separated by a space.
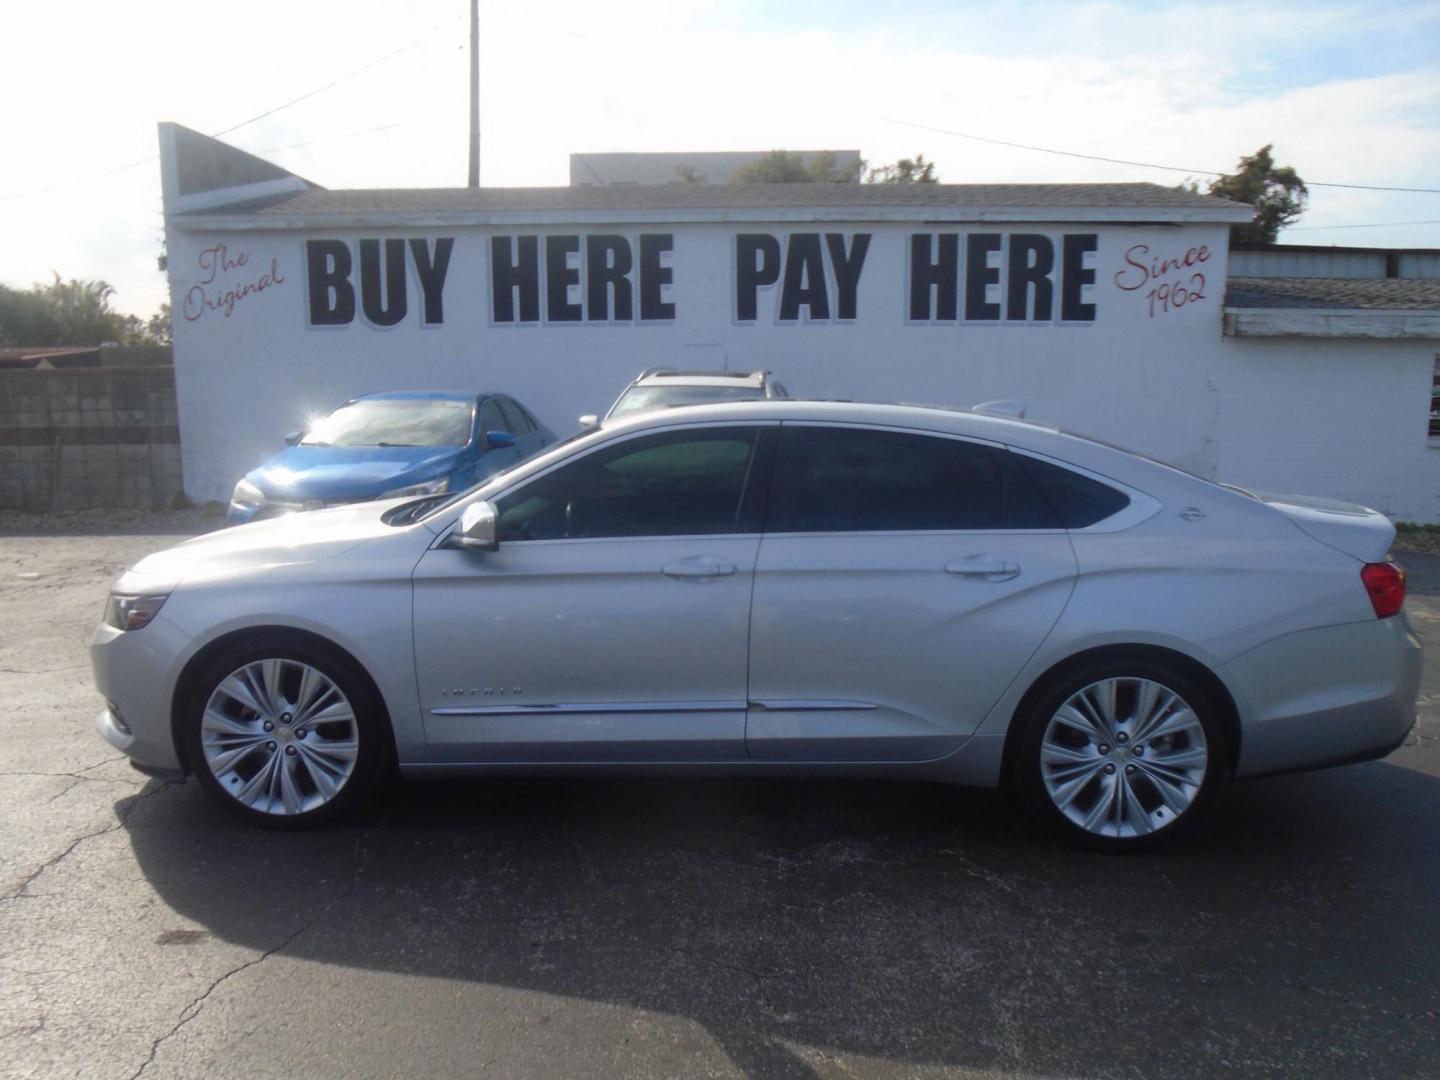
pixel 247 496
pixel 433 487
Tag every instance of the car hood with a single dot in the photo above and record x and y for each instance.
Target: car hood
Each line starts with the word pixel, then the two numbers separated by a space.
pixel 262 545
pixel 327 473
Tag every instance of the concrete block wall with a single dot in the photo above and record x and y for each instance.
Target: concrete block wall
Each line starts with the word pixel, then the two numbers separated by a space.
pixel 88 437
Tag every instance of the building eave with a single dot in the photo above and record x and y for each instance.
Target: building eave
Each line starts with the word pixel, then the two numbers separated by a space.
pixel 1382 323
pixel 933 216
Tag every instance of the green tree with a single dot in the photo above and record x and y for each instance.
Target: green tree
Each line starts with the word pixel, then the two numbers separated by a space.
pixel 1276 192
pixel 783 167
pixel 82 310
pixel 74 312
pixel 157 327
pixel 25 318
pixel 914 170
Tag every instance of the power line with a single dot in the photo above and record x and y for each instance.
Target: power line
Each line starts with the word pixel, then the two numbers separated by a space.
pixel 330 85
pixel 1137 164
pixel 1371 225
pixel 330 138
pixel 243 123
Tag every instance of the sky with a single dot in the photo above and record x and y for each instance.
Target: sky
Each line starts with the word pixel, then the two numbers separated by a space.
pixel 1349 93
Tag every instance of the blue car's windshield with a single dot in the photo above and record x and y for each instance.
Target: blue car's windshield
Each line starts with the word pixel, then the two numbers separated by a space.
pixel 394 422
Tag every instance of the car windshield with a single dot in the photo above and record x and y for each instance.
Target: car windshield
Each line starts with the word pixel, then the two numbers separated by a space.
pixel 394 422
pixel 640 398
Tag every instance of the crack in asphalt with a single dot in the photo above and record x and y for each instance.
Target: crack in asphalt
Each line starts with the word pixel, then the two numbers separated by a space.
pixel 34 1029
pixel 78 778
pixel 196 1006
pixel 122 817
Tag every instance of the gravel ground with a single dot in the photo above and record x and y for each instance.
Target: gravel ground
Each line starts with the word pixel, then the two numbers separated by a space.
pixel 114 522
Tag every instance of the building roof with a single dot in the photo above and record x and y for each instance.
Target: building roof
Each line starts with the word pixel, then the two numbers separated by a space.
pixel 1359 294
pixel 1330 249
pixel 1141 202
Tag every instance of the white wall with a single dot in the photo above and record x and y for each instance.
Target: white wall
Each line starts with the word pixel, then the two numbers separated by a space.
pixel 1139 375
pixel 1340 418
pixel 1346 419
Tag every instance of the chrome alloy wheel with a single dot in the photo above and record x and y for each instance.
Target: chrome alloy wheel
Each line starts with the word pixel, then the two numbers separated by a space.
pixel 279 736
pixel 1123 757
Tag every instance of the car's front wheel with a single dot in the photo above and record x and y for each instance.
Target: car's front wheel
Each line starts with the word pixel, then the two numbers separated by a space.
pixel 284 736
pixel 1120 756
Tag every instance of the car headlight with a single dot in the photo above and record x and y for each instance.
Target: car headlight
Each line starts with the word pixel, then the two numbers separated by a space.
pixel 434 487
pixel 131 612
pixel 247 495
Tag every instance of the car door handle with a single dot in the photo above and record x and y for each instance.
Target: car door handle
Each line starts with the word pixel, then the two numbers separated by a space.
pixel 984 567
pixel 699 567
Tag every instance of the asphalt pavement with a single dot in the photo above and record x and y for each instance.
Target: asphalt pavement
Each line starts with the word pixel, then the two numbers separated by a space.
pixel 656 928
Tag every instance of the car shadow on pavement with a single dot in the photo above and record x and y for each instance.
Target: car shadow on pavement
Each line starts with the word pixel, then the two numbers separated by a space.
pixel 912 924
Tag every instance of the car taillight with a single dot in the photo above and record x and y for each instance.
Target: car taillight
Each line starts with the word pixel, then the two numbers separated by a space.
pixel 1385 582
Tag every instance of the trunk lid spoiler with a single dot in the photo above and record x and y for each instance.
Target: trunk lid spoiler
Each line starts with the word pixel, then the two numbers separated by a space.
pixel 1356 530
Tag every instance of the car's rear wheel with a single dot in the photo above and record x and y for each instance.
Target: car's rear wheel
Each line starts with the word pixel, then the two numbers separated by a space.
pixel 1120 756
pixel 284 736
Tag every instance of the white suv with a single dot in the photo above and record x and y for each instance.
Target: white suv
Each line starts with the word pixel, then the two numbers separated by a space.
pixel 664 388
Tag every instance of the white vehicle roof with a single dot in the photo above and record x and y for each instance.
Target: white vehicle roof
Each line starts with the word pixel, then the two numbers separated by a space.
pixel 703 378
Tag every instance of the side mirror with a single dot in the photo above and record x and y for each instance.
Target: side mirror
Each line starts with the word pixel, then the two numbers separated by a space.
pixel 498 440
pixel 294 437
pixel 590 420
pixel 476 528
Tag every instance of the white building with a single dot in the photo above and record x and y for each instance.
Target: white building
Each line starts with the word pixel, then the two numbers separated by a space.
pixel 714 167
pixel 1104 306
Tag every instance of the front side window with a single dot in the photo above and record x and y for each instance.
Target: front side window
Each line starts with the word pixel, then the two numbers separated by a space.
pixel 394 422
pixel 862 480
pixel 491 419
pixel 515 420
pixel 685 483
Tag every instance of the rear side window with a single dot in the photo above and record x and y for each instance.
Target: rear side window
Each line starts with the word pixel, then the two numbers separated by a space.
pixel 861 480
pixel 1078 500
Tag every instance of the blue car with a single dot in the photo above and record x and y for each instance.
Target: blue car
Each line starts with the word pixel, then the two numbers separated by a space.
pixel 389 446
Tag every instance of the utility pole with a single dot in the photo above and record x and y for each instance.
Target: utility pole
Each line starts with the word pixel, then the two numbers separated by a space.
pixel 474 93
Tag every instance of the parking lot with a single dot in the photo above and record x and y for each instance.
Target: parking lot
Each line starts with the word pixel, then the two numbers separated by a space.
pixel 667 928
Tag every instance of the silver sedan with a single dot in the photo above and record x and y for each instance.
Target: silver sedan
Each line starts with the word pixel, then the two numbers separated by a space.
pixel 778 588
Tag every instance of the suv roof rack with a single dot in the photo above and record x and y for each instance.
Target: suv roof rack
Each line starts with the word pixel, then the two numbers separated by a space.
pixel 648 372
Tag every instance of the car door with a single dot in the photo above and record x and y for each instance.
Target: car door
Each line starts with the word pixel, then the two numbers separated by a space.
pixel 611 623
pixel 903 580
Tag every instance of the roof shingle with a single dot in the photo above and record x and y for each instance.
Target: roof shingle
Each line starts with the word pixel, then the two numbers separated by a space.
pixel 734 196
pixel 1361 294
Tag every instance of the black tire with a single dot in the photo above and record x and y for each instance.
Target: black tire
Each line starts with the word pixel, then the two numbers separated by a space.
pixel 1030 769
pixel 374 745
